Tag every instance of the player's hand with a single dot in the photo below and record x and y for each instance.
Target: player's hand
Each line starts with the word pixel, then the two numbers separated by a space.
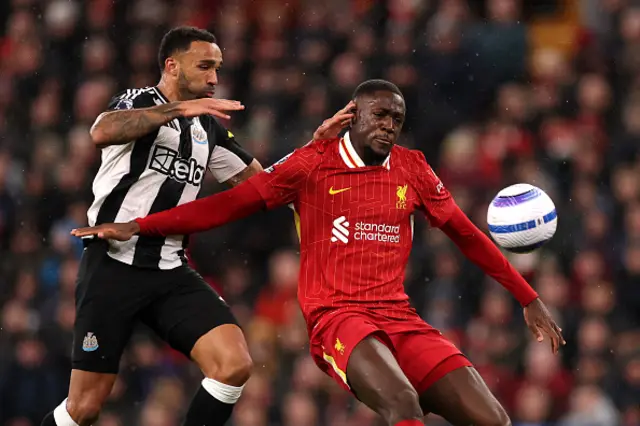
pixel 331 127
pixel 539 321
pixel 215 107
pixel 109 231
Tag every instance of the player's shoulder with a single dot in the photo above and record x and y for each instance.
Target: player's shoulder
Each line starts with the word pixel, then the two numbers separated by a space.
pixel 415 167
pixel 307 155
pixel 318 151
pixel 321 146
pixel 128 98
pixel 316 147
pixel 213 125
pixel 411 160
pixel 139 92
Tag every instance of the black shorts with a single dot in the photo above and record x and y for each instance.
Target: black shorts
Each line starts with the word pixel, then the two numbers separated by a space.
pixel 112 297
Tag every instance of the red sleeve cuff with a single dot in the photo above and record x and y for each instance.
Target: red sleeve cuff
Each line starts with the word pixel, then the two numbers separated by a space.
pixel 526 295
pixel 141 224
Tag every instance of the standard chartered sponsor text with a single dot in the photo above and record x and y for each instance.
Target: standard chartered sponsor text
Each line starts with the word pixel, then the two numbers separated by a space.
pixel 377 232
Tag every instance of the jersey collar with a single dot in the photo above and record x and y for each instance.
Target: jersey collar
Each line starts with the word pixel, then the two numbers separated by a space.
pixel 351 157
pixel 161 95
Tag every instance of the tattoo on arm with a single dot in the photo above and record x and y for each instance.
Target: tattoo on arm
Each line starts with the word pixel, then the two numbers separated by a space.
pixel 252 169
pixel 121 127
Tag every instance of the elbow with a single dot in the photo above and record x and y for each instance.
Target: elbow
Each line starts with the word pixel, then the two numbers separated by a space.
pixel 97 133
pixel 98 137
pixel 254 168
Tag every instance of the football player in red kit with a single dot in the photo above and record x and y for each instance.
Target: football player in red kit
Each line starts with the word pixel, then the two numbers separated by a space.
pixel 354 199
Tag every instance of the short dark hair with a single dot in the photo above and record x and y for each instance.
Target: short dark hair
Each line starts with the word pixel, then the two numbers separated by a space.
pixel 179 39
pixel 375 85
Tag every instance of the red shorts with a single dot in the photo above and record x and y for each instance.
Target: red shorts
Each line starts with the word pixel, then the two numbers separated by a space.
pixel 422 352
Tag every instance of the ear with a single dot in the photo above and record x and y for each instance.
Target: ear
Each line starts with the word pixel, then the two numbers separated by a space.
pixel 171 66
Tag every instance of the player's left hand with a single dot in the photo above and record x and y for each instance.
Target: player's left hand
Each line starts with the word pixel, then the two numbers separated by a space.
pixel 331 127
pixel 539 321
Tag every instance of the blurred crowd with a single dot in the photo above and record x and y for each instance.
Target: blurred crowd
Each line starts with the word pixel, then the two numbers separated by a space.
pixel 489 103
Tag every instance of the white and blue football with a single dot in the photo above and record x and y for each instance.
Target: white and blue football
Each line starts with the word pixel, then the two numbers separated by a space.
pixel 522 218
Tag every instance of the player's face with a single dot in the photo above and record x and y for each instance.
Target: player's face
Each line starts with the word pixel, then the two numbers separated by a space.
pixel 198 70
pixel 379 120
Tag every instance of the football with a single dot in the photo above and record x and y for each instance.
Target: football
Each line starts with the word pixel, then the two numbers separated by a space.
pixel 522 218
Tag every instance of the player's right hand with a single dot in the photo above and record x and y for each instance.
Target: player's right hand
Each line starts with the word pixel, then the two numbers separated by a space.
pixel 539 321
pixel 331 127
pixel 210 106
pixel 109 231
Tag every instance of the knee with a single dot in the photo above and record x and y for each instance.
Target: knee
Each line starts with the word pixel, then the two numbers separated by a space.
pixel 402 405
pixel 237 370
pixel 84 410
pixel 231 369
pixel 222 355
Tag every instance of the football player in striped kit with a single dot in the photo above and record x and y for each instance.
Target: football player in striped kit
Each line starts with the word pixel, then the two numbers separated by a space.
pixel 157 143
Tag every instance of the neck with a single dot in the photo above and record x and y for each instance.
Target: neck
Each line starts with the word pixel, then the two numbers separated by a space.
pixel 169 90
pixel 369 158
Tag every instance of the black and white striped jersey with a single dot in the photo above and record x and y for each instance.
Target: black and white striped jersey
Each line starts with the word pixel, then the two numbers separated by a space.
pixel 156 172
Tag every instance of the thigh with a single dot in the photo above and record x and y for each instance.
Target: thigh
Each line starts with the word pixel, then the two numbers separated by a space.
pixel 372 367
pixel 187 310
pixel 463 399
pixel 332 344
pixel 425 355
pixel 109 296
pixel 377 380
pixel 358 354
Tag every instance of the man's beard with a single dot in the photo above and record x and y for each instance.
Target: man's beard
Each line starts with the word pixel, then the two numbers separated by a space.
pixel 183 86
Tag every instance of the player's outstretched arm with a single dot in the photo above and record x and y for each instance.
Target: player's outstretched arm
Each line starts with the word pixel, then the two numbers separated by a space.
pixel 478 248
pixel 123 126
pixel 195 216
pixel 275 187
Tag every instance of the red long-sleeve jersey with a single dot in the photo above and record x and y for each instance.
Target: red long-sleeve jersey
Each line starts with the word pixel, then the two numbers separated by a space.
pixel 355 224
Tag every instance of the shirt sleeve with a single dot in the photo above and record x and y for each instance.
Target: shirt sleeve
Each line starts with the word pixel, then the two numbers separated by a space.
pixel 434 200
pixel 228 157
pixel 131 99
pixel 204 213
pixel 280 183
pixel 478 248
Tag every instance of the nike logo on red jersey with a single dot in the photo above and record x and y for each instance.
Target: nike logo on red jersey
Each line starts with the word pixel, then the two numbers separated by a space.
pixel 337 191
